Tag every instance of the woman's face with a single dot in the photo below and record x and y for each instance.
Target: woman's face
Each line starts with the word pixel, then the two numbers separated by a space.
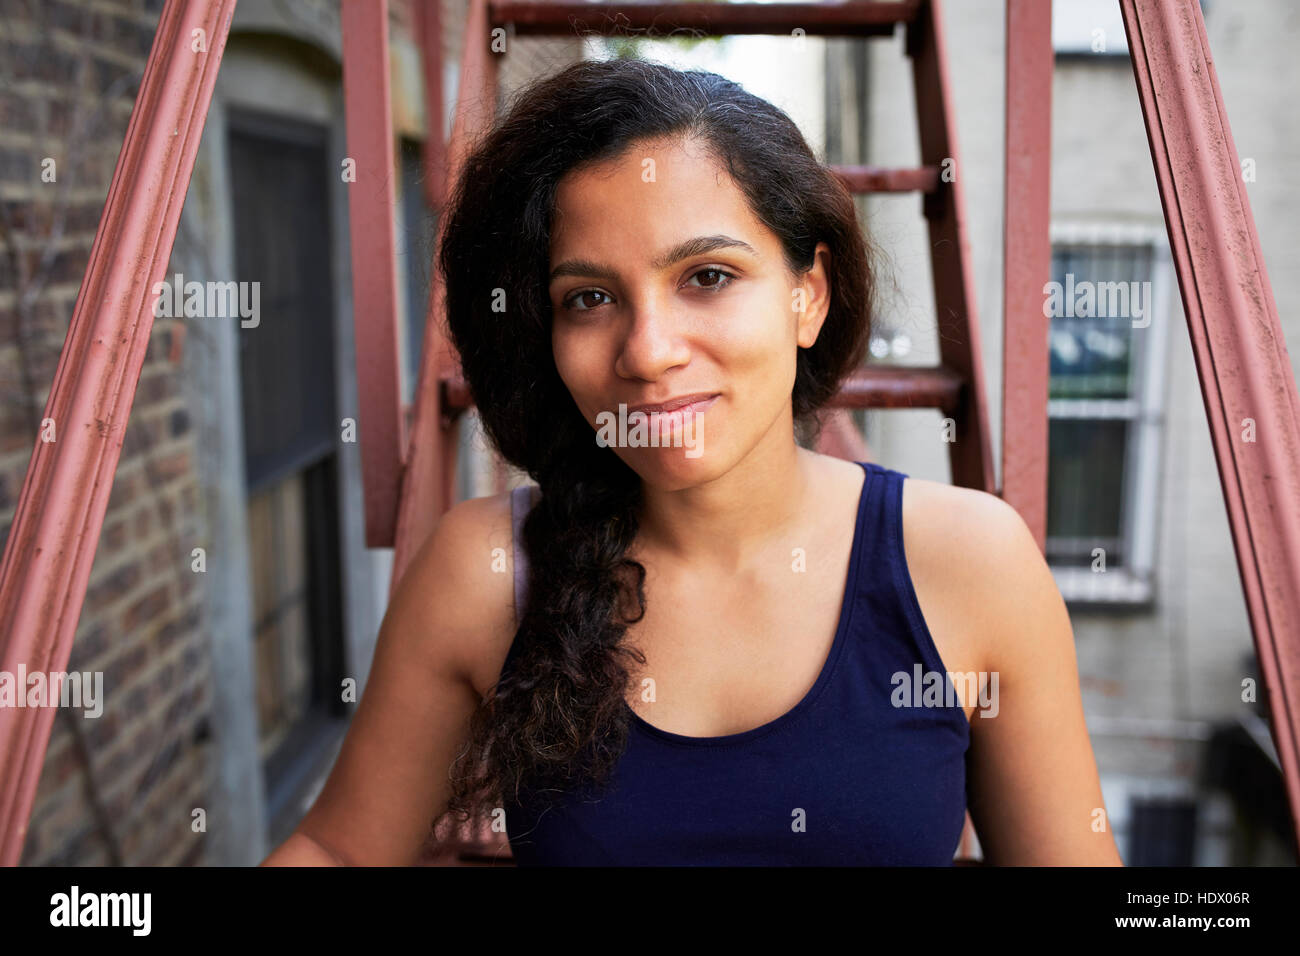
pixel 663 285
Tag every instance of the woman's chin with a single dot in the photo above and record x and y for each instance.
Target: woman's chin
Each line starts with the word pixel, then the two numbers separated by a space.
pixel 672 468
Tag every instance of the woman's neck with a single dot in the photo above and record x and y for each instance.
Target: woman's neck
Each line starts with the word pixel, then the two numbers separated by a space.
pixel 727 523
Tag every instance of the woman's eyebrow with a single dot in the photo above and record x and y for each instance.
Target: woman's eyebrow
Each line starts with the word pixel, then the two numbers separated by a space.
pixel 683 250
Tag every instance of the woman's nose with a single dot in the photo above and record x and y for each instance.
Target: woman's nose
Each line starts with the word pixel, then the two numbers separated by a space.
pixel 653 344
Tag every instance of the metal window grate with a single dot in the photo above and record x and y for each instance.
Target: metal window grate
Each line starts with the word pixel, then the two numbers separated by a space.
pixel 282 230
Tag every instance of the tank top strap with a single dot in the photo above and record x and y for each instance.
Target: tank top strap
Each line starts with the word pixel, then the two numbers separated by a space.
pixel 886 605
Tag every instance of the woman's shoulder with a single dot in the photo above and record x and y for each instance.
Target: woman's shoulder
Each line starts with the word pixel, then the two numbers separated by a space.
pixel 466 567
pixel 934 508
pixel 968 553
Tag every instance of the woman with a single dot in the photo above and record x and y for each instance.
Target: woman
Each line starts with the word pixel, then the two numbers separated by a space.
pixel 733 650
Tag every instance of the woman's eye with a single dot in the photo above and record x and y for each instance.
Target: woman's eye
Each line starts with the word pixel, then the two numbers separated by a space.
pixel 578 302
pixel 722 279
pixel 571 301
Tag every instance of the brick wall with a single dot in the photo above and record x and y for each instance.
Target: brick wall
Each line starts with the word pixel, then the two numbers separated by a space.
pixel 120 787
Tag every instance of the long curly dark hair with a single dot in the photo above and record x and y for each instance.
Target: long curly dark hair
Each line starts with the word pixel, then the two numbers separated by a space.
pixel 556 717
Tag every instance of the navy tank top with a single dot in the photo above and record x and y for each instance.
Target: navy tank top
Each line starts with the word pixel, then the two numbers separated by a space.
pixel 844 778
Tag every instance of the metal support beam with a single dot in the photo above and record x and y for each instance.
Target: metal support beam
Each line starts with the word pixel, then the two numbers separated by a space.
pixel 1241 358
pixel 1027 261
pixel 428 484
pixel 854 18
pixel 374 264
pixel 433 154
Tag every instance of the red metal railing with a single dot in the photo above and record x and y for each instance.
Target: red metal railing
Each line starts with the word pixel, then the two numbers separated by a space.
pixel 371 203
pixel 1237 341
pixel 1026 260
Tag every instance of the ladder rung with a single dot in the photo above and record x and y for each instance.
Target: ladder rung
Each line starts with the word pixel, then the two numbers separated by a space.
pixel 881 179
pixel 901 386
pixel 873 386
pixel 859 18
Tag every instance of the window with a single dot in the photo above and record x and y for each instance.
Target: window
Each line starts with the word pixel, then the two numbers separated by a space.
pixel 1109 309
pixel 1092 28
pixel 280 176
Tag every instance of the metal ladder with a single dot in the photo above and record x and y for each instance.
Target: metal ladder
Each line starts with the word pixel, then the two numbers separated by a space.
pixel 955 386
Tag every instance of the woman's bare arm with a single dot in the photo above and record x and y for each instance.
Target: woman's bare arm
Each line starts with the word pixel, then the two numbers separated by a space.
pixel 391 777
pixel 1035 794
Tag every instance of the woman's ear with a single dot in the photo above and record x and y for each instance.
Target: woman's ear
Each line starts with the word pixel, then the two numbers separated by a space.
pixel 811 298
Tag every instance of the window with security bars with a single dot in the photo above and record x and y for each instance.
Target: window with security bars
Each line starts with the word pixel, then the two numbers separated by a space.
pixel 1108 309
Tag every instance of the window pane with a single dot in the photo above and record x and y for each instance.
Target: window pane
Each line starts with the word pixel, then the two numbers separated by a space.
pixel 1101 291
pixel 1088 26
pixel 280 191
pixel 1085 483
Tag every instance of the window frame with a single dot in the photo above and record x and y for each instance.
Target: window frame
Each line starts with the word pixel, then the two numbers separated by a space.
pixel 1131 586
pixel 1103 14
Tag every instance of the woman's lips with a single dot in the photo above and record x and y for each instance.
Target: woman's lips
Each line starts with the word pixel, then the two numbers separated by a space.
pixel 670 421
